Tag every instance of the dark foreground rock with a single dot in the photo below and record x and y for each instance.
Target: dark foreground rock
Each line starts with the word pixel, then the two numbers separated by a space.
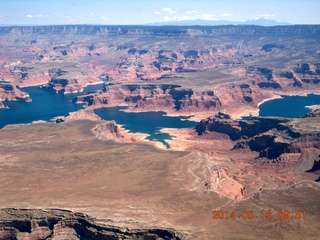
pixel 64 224
pixel 272 137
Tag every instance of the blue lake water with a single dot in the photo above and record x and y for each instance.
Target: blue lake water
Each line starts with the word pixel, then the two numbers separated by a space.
pixel 289 106
pixel 145 122
pixel 45 105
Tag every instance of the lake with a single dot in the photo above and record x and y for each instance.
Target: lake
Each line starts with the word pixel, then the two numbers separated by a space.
pixel 45 105
pixel 289 106
pixel 145 122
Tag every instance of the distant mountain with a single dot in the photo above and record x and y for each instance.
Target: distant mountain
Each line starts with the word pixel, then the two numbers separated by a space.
pixel 259 21
pixel 265 22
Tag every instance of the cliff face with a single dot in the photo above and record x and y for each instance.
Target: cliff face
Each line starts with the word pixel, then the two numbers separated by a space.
pixel 153 64
pixel 232 61
pixel 44 56
pixel 273 138
pixel 242 129
pixel 152 97
pixel 63 224
pixel 8 92
pixel 63 85
pixel 160 30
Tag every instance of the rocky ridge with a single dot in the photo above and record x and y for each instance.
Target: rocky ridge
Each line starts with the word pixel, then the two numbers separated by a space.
pixel 8 92
pixel 64 224
pixel 278 139
pixel 231 61
pixel 151 97
pixel 160 30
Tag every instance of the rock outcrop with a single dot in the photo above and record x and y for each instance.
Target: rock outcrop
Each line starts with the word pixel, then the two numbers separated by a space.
pixel 63 224
pixel 59 55
pixel 239 129
pixel 314 113
pixel 63 86
pixel 231 61
pixel 307 73
pixel 152 97
pixel 272 137
pixel 160 30
pixel 108 131
pixel 9 92
pixel 154 64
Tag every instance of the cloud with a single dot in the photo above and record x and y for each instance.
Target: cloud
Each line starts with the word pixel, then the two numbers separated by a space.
pixel 208 17
pixel 266 15
pixel 168 14
pixel 178 18
pixel 41 16
pixel 169 10
pixel 38 16
pixel 225 14
pixel 193 12
pixel 190 17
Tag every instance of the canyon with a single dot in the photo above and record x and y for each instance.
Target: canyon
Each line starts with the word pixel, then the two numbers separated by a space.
pixel 93 167
pixel 278 139
pixel 84 177
pixel 62 224
pixel 210 68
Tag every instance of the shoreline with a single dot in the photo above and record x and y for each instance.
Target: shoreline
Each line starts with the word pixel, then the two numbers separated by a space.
pixel 93 83
pixel 279 96
pixel 313 107
pixel 276 96
pixel 31 85
pixel 189 116
pixel 40 84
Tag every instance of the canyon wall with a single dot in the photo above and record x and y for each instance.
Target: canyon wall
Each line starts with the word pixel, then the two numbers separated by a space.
pixel 64 224
pixel 242 65
pixel 9 92
pixel 273 138
pixel 151 97
pixel 160 30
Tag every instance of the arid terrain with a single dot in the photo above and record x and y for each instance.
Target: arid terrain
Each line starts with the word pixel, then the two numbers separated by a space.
pixel 119 185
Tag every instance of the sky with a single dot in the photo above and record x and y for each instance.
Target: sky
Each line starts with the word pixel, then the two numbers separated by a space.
pixel 135 12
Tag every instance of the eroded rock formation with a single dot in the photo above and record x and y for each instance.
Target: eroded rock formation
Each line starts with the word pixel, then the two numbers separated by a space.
pixel 9 92
pixel 274 138
pixel 63 224
pixel 152 97
pixel 231 61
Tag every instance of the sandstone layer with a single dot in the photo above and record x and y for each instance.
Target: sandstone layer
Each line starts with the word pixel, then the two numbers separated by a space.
pixel 62 224
pixel 134 190
pixel 72 165
pixel 8 92
pixel 222 67
pixel 278 139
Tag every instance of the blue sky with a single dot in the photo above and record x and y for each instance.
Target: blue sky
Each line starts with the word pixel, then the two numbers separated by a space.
pixel 45 12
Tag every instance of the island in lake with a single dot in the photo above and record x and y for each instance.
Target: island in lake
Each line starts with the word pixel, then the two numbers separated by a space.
pixel 183 159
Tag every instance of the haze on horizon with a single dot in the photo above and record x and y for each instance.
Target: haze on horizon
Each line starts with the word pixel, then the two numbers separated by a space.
pixel 139 12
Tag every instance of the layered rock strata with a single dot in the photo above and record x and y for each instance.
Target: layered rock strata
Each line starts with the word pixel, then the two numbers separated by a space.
pixel 63 224
pixel 9 92
pixel 152 97
pixel 231 61
pixel 274 138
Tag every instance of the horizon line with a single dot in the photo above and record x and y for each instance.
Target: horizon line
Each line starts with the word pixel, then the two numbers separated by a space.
pixel 154 25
